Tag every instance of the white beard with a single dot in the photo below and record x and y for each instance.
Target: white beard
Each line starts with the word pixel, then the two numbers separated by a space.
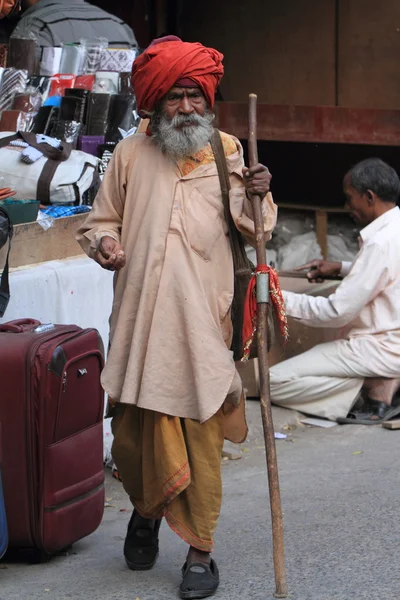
pixel 180 142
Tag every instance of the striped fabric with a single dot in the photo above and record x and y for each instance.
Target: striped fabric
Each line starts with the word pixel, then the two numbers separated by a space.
pixel 65 211
pixel 13 82
pixel 55 22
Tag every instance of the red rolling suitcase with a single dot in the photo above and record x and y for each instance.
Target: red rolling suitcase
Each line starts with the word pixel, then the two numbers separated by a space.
pixel 51 410
pixel 3 517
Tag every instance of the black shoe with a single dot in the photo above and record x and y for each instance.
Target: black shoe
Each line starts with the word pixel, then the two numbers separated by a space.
pixel 200 580
pixel 373 412
pixel 141 543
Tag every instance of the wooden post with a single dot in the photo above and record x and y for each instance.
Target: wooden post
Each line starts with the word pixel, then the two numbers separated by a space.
pixel 321 225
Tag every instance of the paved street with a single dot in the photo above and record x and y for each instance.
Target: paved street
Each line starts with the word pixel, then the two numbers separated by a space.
pixel 340 490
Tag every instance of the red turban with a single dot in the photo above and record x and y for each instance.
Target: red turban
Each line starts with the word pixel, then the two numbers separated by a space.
pixel 169 60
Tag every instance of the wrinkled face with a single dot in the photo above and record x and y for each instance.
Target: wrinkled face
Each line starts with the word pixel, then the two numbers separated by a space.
pixel 182 123
pixel 358 205
pixel 184 101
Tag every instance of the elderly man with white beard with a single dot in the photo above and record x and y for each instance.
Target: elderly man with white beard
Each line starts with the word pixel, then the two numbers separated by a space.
pixel 159 223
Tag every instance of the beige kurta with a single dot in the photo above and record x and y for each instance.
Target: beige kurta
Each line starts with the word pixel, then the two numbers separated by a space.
pixel 170 320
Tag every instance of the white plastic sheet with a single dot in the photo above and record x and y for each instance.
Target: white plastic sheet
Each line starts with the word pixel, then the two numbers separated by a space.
pixel 300 249
pixel 73 291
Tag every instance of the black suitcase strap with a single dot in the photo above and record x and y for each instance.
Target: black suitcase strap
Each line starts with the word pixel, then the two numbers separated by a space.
pixel 5 285
pixel 5 280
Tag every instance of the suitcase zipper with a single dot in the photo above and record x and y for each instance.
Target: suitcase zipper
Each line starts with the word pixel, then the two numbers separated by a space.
pixel 74 500
pixel 64 382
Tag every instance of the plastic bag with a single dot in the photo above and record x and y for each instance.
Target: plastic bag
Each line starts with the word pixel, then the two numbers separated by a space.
pixel 342 238
pixel 13 82
pixel 22 53
pixel 72 59
pixel 289 225
pixel 27 102
pixel 338 250
pixel 45 221
pixel 107 82
pixel 94 49
pixel 59 83
pixel 300 250
pixel 271 256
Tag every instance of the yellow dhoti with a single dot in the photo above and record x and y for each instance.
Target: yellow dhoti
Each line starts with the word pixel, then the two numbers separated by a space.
pixel 171 466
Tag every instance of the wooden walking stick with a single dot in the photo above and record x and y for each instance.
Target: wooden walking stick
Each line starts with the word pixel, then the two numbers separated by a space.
pixel 263 298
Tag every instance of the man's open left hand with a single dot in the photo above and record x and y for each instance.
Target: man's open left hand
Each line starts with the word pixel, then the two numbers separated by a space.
pixel 257 180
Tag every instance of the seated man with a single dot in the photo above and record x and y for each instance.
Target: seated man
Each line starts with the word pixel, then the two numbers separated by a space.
pixel 326 380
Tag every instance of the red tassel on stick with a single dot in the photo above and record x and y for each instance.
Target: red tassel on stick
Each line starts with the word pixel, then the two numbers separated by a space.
pixel 250 308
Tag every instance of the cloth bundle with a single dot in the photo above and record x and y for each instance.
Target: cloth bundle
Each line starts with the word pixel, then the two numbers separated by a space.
pixel 39 84
pixel 117 59
pixel 121 117
pixel 97 116
pixel 3 55
pixel 124 84
pixel 65 211
pixel 51 61
pixel 85 82
pixel 45 120
pixel 22 54
pixel 72 59
pixel 68 131
pixel 91 143
pixel 15 120
pixel 71 118
pixel 29 103
pixel 12 83
pixel 81 96
pixel 22 113
pixel 107 82
pixel 72 108
pixel 60 83
pixel 93 59
pixel 94 52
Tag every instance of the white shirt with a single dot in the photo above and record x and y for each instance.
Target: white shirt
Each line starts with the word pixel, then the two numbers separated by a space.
pixel 368 299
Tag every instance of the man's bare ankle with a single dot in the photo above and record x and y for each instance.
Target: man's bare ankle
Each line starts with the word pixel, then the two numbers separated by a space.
pixel 195 555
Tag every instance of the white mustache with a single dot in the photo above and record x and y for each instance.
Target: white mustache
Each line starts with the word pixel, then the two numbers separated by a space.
pixel 193 119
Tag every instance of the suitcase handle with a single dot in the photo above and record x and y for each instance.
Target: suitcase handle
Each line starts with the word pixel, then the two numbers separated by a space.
pixel 19 326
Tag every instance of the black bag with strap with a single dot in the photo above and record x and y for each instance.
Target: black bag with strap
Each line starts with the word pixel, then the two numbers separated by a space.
pixel 6 233
pixel 242 266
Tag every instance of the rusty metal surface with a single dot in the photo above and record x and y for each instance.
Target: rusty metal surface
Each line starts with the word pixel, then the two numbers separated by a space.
pixel 317 124
pixel 265 397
